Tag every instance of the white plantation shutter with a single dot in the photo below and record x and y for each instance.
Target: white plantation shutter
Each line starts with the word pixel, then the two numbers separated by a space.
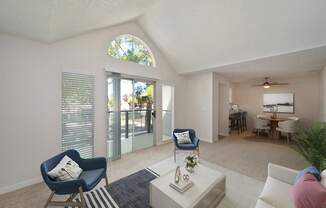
pixel 78 113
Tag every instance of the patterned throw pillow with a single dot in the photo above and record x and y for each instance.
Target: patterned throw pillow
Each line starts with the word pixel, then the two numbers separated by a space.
pixel 183 137
pixel 67 169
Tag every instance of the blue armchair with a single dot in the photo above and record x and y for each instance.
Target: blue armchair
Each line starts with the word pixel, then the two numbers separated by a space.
pixel 194 145
pixel 94 170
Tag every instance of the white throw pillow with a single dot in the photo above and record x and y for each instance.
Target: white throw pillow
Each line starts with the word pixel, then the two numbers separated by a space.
pixel 323 178
pixel 183 137
pixel 67 169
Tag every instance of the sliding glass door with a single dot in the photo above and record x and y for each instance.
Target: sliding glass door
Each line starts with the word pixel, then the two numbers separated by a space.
pixel 131 114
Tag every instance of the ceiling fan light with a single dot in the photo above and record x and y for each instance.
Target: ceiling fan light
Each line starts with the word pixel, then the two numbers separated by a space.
pixel 266 86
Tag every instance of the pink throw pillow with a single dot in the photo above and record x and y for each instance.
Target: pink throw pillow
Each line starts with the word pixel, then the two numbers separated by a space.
pixel 309 193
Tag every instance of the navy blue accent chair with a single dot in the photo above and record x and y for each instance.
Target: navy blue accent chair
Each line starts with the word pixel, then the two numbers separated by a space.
pixel 94 170
pixel 194 145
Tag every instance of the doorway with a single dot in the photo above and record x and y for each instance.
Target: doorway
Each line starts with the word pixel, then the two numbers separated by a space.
pixel 130 114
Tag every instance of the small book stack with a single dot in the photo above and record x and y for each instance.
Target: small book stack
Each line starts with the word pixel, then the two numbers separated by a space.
pixel 182 186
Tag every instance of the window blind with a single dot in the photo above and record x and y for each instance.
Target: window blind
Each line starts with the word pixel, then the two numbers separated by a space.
pixel 78 113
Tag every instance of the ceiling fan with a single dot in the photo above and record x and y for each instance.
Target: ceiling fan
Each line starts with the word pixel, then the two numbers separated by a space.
pixel 268 84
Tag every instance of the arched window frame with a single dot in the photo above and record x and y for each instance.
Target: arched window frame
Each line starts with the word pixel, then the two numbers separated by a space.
pixel 141 42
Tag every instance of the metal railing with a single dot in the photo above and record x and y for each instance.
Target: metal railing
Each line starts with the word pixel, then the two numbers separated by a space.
pixel 140 122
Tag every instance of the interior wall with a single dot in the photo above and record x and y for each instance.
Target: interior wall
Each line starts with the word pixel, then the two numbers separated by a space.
pixel 323 94
pixel 221 106
pixel 223 110
pixel 306 98
pixel 216 108
pixel 30 89
pixel 199 108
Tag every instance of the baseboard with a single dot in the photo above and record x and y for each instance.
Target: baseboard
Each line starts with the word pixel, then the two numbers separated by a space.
pixel 224 134
pixel 19 185
pixel 206 140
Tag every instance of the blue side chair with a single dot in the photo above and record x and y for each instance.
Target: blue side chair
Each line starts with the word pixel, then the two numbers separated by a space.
pixel 94 170
pixel 193 146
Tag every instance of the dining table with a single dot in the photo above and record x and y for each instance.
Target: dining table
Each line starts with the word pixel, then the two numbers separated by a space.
pixel 274 123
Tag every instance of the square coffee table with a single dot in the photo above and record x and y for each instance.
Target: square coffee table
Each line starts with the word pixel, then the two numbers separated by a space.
pixel 208 190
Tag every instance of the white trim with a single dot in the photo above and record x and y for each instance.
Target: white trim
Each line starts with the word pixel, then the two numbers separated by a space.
pixel 20 185
pixel 224 134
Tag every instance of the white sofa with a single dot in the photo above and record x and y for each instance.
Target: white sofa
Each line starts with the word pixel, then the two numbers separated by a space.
pixel 276 192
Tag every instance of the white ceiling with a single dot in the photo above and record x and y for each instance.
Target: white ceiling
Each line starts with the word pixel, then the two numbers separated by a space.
pixel 198 35
pixel 51 20
pixel 297 64
pixel 237 38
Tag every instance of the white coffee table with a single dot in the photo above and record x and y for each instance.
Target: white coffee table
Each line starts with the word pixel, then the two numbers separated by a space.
pixel 208 190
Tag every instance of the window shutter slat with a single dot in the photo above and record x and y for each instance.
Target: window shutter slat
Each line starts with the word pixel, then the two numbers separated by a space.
pixel 77 109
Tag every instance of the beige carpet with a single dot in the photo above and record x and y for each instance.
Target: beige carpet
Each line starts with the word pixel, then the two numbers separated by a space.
pixel 250 156
pixel 234 153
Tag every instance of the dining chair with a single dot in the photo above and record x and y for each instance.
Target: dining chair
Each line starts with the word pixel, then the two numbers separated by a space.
pixel 261 116
pixel 293 118
pixel 289 127
pixel 261 125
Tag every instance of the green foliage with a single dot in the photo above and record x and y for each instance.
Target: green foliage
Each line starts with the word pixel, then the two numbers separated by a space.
pixel 311 144
pixel 129 48
pixel 144 94
pixel 191 160
pixel 150 90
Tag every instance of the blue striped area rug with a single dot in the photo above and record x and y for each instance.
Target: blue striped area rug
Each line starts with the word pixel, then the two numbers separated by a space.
pixel 129 192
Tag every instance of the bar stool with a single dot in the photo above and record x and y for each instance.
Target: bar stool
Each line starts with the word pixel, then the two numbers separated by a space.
pixel 235 120
pixel 243 120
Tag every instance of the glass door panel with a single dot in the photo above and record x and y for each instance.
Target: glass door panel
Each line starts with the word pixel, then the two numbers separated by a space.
pixel 126 109
pixel 167 111
pixel 144 113
pixel 130 116
pixel 113 116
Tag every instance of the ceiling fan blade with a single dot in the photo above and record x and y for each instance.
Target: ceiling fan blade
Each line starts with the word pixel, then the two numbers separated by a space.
pixel 257 85
pixel 278 83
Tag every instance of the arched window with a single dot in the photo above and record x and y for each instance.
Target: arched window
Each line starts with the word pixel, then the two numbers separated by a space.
pixel 130 48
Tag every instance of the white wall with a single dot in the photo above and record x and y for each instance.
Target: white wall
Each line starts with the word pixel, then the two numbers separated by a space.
pixel 199 108
pixel 323 94
pixel 207 105
pixel 221 106
pixel 216 107
pixel 30 90
pixel 306 98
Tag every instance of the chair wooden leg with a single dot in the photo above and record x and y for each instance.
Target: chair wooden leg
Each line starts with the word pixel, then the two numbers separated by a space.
pixel 71 198
pixel 82 199
pixel 106 181
pixel 68 203
pixel 288 138
pixel 49 199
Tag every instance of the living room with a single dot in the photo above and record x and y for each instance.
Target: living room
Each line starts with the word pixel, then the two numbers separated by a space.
pixel 120 80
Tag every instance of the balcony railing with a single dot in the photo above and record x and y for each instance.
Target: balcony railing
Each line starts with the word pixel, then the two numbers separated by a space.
pixel 141 122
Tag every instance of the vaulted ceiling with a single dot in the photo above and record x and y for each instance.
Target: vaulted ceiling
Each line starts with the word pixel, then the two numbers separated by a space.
pixel 233 37
pixel 52 20
pixel 212 34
